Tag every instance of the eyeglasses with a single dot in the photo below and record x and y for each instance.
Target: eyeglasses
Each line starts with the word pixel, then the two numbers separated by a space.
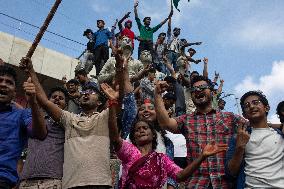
pixel 87 92
pixel 199 88
pixel 248 104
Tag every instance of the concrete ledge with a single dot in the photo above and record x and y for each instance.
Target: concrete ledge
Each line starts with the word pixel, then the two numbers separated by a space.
pixel 46 61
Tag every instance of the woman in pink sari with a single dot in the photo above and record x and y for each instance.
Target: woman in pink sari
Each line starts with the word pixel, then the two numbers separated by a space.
pixel 142 166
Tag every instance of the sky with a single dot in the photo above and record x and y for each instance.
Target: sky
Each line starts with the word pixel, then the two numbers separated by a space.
pixel 244 39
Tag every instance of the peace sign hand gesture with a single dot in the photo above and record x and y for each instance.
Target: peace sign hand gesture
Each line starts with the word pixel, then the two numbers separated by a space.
pixel 242 137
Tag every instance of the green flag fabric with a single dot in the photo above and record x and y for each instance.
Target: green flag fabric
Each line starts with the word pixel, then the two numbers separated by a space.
pixel 175 2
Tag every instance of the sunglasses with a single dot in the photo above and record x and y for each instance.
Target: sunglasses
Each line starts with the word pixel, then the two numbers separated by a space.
pixel 199 88
pixel 87 92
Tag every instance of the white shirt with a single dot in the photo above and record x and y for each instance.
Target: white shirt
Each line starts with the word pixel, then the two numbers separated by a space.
pixel 179 142
pixel 174 44
pixel 264 159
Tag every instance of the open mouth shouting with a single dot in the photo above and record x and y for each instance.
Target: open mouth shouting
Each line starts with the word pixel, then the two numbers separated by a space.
pixel 57 103
pixel 3 93
pixel 200 96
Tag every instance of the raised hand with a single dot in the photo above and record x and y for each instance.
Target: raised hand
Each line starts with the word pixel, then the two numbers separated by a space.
pixel 30 89
pixel 212 149
pixel 64 79
pixel 216 75
pixel 136 4
pixel 127 15
pixel 109 92
pixel 205 60
pixel 160 87
pixel 26 64
pixel 121 59
pixel 171 13
pixel 242 137
pixel 198 43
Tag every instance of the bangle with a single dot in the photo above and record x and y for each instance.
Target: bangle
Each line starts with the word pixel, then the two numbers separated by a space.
pixel 112 103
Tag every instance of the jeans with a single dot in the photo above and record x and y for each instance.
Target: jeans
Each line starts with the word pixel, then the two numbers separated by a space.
pixel 161 67
pixel 173 56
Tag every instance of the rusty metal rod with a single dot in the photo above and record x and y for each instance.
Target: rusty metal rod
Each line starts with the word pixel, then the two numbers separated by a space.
pixel 43 29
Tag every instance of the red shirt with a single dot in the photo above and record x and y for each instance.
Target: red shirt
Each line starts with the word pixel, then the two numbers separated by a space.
pixel 201 129
pixel 130 34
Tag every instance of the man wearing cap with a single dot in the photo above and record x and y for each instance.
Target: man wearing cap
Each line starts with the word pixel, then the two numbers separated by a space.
pixel 101 39
pixel 126 30
pixel 175 44
pixel 89 34
pixel 146 32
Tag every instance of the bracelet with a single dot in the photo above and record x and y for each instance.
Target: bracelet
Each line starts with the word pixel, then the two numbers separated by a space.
pixel 112 103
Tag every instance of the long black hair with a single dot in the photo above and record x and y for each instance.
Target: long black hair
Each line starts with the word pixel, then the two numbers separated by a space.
pixel 151 126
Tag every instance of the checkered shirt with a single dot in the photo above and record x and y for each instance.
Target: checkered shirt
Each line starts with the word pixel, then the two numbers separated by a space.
pixel 201 129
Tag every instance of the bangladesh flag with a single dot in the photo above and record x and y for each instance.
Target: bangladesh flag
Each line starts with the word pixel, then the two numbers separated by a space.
pixel 175 2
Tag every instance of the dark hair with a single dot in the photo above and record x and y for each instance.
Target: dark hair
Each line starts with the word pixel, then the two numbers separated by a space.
pixel 151 126
pixel 100 21
pixel 87 31
pixel 61 89
pixel 101 96
pixel 183 42
pixel 73 81
pixel 191 49
pixel 194 72
pixel 9 71
pixel 202 78
pixel 221 100
pixel 170 96
pixel 170 79
pixel 152 70
pixel 144 19
pixel 128 21
pixel 81 72
pixel 175 29
pixel 163 33
pixel 155 124
pixel 260 95
pixel 278 109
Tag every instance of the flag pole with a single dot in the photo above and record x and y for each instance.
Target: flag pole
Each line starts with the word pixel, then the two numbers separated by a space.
pixel 43 28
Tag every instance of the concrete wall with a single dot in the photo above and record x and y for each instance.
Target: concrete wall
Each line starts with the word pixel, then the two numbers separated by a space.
pixel 46 62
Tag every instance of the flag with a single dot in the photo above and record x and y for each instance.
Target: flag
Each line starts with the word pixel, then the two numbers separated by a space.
pixel 175 2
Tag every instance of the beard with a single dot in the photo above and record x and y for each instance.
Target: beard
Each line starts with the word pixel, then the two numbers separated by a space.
pixel 202 102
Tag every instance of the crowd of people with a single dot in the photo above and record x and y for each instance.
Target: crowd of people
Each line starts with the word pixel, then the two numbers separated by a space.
pixel 145 123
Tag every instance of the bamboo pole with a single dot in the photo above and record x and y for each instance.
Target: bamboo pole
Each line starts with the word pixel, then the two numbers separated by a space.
pixel 43 28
